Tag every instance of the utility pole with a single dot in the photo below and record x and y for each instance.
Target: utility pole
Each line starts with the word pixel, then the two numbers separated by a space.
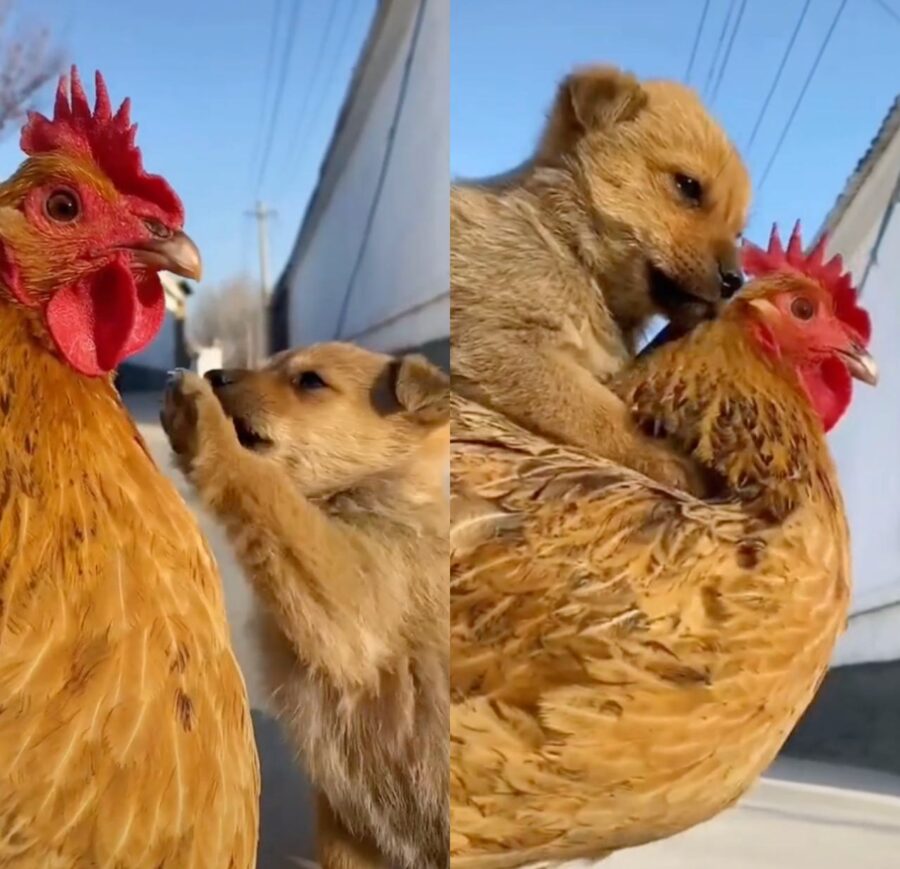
pixel 262 213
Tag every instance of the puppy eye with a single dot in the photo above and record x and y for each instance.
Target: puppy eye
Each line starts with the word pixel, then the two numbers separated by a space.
pixel 62 206
pixel 802 308
pixel 690 188
pixel 309 381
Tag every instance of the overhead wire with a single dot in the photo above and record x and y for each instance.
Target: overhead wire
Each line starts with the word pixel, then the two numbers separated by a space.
pixel 719 44
pixel 295 145
pixel 267 83
pixel 889 10
pixel 700 26
pixel 812 72
pixel 286 55
pixel 325 89
pixel 727 57
pixel 781 66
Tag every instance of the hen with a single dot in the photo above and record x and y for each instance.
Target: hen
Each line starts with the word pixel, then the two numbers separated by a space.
pixel 125 736
pixel 627 660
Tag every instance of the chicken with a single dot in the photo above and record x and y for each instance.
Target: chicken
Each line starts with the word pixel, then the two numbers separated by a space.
pixel 626 659
pixel 125 735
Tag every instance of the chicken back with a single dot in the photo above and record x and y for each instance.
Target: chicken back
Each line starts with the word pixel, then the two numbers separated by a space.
pixel 626 659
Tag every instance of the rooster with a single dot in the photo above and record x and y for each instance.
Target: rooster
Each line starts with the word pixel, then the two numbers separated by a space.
pixel 125 735
pixel 626 659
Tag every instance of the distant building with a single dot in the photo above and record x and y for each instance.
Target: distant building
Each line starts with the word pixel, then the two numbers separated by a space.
pixel 371 261
pixel 857 715
pixel 147 369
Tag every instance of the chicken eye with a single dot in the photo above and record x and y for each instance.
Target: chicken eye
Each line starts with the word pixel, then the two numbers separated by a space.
pixel 309 381
pixel 802 308
pixel 157 229
pixel 690 188
pixel 62 206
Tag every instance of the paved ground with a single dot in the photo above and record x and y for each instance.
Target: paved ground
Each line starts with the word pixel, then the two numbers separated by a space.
pixel 802 816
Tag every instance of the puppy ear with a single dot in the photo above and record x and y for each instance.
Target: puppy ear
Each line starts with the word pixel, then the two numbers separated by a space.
pixel 421 389
pixel 589 99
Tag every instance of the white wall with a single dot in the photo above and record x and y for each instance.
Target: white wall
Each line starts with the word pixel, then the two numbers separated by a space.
pixel 855 232
pixel 866 446
pixel 406 257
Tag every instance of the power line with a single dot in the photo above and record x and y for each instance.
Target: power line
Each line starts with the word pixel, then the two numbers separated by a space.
pixel 279 91
pixel 809 78
pixel 267 83
pixel 325 90
pixel 727 57
pixel 719 44
pixel 316 69
pixel 690 66
pixel 777 79
pixel 889 10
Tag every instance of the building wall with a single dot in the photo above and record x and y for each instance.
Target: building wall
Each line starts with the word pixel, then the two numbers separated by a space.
pixel 855 232
pixel 866 449
pixel 146 371
pixel 160 353
pixel 373 265
pixel 855 717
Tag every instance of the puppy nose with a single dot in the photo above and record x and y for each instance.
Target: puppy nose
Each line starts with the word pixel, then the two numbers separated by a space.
pixel 218 377
pixel 731 281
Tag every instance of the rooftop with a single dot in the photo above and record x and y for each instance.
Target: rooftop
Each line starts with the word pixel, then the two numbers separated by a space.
pixel 886 132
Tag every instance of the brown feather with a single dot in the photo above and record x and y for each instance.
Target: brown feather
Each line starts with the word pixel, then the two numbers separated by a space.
pixel 627 660
pixel 125 736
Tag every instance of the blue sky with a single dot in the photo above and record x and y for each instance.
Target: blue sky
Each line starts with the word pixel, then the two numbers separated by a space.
pixel 507 57
pixel 195 71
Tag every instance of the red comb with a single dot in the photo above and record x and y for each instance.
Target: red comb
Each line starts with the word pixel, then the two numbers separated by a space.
pixel 831 275
pixel 106 138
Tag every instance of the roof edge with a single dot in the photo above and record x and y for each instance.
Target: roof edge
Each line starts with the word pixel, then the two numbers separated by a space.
pixel 863 169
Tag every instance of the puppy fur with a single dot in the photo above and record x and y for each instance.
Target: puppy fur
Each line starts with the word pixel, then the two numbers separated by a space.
pixel 328 469
pixel 558 266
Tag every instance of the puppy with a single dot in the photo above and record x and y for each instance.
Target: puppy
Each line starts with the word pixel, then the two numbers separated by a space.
pixel 631 207
pixel 328 469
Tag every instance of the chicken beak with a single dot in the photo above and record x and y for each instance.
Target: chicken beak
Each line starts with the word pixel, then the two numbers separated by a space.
pixel 860 364
pixel 765 308
pixel 176 254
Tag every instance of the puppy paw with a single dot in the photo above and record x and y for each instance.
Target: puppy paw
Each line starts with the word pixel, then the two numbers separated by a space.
pixel 671 470
pixel 193 419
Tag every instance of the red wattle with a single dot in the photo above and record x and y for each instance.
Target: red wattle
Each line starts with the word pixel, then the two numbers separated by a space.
pixel 151 311
pixel 830 388
pixel 105 318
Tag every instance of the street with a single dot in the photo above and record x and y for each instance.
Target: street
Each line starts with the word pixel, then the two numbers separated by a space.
pixel 801 815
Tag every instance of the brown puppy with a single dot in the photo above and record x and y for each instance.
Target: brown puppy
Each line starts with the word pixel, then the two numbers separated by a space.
pixel 630 207
pixel 328 469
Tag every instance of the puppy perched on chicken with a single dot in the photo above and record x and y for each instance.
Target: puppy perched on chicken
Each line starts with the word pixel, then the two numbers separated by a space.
pixel 327 468
pixel 631 207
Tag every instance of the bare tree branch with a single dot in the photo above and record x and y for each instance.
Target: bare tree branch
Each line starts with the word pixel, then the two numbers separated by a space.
pixel 29 60
pixel 226 315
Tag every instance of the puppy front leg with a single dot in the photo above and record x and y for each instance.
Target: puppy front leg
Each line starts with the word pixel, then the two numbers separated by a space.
pixel 546 391
pixel 317 578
